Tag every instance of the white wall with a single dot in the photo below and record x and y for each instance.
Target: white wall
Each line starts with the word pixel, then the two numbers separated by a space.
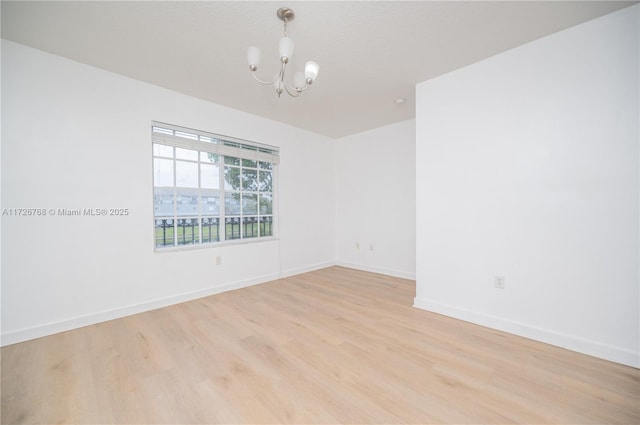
pixel 74 136
pixel 375 200
pixel 527 167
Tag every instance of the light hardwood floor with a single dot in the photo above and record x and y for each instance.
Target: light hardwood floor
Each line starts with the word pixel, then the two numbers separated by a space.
pixel 331 346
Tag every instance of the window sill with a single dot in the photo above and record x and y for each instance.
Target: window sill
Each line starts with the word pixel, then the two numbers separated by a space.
pixel 214 245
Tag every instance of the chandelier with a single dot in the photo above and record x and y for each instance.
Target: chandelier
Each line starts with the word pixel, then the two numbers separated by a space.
pixel 301 81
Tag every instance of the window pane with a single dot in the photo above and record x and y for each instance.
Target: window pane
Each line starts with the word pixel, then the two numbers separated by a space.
pixel 188 231
pixel 162 172
pixel 186 174
pixel 249 180
pixel 163 202
pixel 209 176
pixel 231 178
pixel 266 165
pixel 210 229
pixel 266 226
pixel 209 157
pixel 164 230
pixel 265 180
pixel 266 204
pixel 249 204
pixel 210 203
pixel 186 135
pixel 230 160
pixel 162 130
pixel 250 227
pixel 249 163
pixel 186 154
pixel 186 202
pixel 232 203
pixel 163 150
pixel 232 228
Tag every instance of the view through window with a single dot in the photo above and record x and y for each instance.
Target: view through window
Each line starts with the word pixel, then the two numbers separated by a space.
pixel 209 189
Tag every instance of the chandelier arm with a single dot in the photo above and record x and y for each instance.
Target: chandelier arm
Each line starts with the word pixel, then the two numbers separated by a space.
pixel 266 83
pixel 289 90
pixel 297 90
pixel 280 76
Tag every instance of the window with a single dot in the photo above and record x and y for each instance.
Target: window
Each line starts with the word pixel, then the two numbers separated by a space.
pixel 209 189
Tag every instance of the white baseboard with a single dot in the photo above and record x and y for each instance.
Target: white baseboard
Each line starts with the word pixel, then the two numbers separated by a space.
pixel 306 269
pixel 116 313
pixel 580 345
pixel 51 328
pixel 388 272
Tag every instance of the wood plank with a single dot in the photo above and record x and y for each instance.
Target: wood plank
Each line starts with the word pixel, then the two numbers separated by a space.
pixel 331 346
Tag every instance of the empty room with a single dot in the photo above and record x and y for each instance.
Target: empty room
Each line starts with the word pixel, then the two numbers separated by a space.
pixel 420 212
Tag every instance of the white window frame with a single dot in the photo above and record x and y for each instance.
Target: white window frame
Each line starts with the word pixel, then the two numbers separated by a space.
pixel 204 142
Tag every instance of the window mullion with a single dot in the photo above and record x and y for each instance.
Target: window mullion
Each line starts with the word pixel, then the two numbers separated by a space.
pixel 200 234
pixel 221 196
pixel 175 201
pixel 241 202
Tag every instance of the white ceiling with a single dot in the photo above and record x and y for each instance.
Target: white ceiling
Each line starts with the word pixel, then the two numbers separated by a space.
pixel 370 52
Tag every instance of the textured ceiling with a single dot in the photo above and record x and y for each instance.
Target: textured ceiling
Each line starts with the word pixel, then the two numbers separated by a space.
pixel 370 53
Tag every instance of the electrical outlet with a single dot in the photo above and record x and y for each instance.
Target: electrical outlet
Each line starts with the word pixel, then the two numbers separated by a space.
pixel 218 260
pixel 499 282
pixel 370 247
pixel 357 245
